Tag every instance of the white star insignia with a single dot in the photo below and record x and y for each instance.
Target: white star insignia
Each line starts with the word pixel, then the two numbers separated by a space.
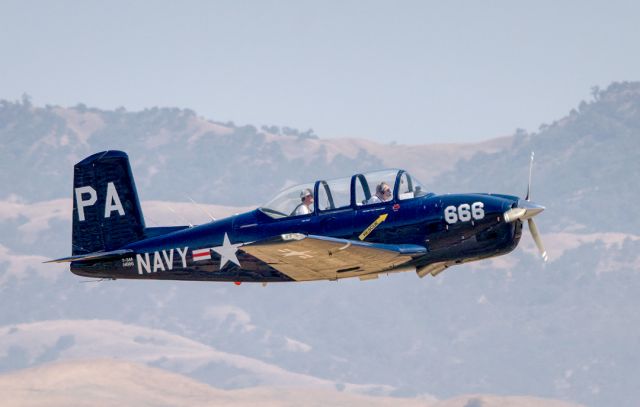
pixel 227 252
pixel 303 254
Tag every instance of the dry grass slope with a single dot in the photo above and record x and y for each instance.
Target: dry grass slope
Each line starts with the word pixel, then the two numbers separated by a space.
pixel 107 383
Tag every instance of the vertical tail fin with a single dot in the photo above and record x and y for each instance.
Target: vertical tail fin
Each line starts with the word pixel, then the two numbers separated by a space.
pixel 106 209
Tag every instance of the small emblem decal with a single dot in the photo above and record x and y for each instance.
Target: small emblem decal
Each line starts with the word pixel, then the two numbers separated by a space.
pixel 372 226
pixel 201 254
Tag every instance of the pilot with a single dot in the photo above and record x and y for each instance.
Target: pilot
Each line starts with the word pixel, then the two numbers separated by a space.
pixel 383 194
pixel 306 206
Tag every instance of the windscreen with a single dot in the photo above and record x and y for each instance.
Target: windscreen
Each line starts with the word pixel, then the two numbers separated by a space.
pixel 288 201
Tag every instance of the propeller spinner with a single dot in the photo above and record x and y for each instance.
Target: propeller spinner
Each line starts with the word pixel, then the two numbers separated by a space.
pixel 526 210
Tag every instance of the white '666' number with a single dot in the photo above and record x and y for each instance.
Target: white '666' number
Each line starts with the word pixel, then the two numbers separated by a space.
pixel 464 212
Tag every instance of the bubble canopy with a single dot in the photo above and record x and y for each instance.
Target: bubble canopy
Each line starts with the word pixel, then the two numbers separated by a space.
pixel 371 188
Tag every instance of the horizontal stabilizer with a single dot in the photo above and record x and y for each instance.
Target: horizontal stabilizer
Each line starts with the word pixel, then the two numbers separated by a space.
pixel 92 256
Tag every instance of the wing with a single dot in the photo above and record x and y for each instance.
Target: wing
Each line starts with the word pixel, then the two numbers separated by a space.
pixel 305 258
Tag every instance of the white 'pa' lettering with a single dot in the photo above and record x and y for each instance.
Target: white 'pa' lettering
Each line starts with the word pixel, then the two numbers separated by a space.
pixel 81 203
pixel 113 201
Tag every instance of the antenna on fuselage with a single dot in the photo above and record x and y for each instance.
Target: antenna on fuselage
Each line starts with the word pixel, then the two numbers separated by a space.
pixel 151 220
pixel 202 209
pixel 181 217
pixel 98 280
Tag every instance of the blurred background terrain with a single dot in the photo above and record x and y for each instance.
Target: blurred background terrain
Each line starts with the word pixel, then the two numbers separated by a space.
pixel 567 330
pixel 274 93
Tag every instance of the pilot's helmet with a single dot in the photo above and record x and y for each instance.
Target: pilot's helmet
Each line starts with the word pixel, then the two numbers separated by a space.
pixel 305 192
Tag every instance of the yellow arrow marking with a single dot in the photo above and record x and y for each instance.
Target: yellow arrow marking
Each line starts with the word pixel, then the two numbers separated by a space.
pixel 372 226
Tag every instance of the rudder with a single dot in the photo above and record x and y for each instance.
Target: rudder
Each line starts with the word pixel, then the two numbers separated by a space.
pixel 106 209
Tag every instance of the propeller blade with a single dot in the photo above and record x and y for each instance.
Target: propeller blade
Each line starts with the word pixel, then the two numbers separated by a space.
pixel 536 238
pixel 529 184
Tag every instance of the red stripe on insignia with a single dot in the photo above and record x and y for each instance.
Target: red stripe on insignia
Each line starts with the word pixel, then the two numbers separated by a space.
pixel 201 254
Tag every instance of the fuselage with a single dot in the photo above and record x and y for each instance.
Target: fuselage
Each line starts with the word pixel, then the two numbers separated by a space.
pixel 454 228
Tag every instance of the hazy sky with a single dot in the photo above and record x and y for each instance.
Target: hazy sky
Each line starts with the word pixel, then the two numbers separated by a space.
pixel 412 71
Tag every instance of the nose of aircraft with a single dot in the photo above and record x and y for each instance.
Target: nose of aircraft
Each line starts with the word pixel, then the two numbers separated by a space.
pixel 524 210
pixel 532 209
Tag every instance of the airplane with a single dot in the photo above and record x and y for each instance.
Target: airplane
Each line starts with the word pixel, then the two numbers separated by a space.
pixel 358 226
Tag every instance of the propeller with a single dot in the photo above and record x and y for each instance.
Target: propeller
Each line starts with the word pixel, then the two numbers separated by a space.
pixel 526 210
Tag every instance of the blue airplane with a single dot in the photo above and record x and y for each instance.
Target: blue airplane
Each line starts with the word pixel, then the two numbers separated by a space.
pixel 358 226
